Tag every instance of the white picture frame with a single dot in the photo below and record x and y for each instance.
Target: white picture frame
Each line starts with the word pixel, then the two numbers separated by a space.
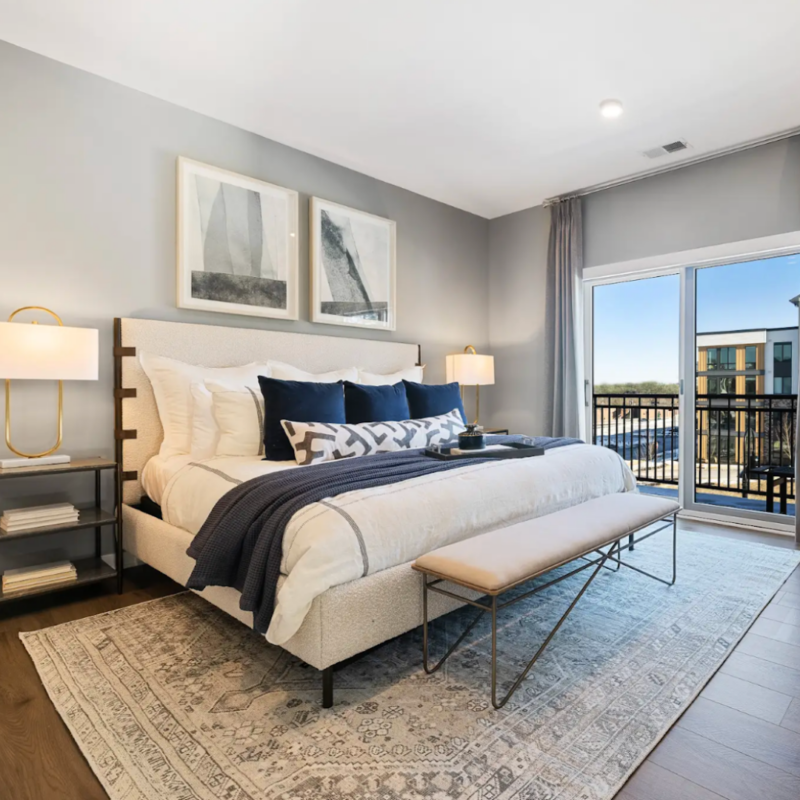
pixel 237 243
pixel 341 238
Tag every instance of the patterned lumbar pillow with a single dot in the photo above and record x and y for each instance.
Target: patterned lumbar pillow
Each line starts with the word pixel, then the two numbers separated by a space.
pixel 315 442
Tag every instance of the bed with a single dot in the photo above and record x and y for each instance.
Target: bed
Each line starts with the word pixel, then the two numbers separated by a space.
pixel 339 594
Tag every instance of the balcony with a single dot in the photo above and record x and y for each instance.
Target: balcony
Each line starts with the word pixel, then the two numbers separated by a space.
pixel 741 444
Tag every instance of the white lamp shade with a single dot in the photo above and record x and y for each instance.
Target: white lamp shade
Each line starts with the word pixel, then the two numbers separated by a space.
pixel 470 369
pixel 48 352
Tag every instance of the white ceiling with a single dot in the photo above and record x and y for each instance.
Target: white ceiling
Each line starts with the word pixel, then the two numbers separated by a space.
pixel 488 105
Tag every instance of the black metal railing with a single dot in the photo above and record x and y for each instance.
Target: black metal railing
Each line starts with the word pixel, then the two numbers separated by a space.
pixel 735 434
pixel 738 433
pixel 643 429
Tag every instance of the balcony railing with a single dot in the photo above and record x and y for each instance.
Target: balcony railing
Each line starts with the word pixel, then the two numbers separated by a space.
pixel 643 429
pixel 735 434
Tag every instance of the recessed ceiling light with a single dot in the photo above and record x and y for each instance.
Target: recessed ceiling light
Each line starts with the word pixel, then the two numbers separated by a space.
pixel 611 109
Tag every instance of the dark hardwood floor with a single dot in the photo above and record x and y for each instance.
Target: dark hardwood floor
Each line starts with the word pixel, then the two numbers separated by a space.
pixel 740 740
pixel 38 758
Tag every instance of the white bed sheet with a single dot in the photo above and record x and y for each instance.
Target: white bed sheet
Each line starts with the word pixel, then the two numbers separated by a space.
pixel 358 533
pixel 158 472
pixel 201 483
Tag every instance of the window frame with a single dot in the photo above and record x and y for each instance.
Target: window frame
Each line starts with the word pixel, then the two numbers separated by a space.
pixel 725 360
pixel 782 358
pixel 785 380
pixel 687 264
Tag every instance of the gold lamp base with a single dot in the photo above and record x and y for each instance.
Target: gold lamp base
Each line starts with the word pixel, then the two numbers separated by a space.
pixel 23 460
pixel 470 349
pixel 477 403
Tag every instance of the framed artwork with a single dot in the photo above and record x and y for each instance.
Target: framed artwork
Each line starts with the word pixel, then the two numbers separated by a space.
pixel 237 243
pixel 353 265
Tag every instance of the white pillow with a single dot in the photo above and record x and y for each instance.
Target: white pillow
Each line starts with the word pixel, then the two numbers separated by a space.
pixel 413 374
pixel 205 431
pixel 239 414
pixel 286 372
pixel 315 442
pixel 172 386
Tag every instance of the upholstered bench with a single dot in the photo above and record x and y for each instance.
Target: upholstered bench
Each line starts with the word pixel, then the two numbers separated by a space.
pixel 495 562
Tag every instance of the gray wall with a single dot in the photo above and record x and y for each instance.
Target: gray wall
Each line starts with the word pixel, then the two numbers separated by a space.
pixel 87 228
pixel 741 196
pixel 520 323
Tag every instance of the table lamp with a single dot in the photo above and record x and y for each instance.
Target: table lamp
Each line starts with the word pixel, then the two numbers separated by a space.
pixel 471 369
pixel 44 352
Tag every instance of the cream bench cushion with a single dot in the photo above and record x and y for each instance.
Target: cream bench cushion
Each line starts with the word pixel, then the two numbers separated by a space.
pixel 494 562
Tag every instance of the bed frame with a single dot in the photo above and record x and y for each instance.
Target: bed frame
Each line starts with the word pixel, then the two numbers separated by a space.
pixel 344 621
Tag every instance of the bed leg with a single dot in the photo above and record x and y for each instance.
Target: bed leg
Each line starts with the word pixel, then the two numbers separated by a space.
pixel 327 687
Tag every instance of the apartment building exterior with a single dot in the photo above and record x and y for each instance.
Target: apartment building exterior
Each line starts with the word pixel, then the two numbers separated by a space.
pixel 749 362
pixel 746 384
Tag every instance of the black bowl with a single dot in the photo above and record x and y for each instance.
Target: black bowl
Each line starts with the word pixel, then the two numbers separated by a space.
pixel 471 440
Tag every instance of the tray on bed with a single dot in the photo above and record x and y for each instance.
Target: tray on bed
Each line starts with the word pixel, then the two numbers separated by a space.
pixel 510 450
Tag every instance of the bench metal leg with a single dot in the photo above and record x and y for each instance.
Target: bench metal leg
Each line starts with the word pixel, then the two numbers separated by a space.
pixel 615 568
pixel 618 560
pixel 426 587
pixel 613 554
pixel 426 666
pixel 514 686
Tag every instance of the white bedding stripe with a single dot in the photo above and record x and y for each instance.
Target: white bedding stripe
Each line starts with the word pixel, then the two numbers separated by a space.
pixel 158 472
pixel 363 532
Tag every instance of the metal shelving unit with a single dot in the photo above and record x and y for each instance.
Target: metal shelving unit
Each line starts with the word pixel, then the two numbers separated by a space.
pixel 90 570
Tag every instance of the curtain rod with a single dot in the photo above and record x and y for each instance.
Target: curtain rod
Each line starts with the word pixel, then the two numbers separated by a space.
pixel 639 176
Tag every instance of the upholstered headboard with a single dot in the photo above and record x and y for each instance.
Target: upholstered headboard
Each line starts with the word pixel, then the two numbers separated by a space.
pixel 138 429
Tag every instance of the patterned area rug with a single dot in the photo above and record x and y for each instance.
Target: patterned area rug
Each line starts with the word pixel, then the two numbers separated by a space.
pixel 173 699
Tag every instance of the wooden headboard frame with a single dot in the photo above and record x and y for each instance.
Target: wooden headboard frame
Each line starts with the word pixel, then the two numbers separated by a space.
pixel 137 428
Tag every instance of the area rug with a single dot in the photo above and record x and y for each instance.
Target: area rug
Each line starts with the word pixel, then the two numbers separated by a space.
pixel 174 699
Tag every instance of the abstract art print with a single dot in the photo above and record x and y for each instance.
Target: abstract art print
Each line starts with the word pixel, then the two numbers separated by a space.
pixel 237 243
pixel 352 267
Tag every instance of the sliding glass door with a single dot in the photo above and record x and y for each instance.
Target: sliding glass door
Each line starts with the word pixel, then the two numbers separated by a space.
pixel 634 377
pixel 692 376
pixel 745 390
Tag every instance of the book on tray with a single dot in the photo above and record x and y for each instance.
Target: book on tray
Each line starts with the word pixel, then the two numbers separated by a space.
pixel 15 520
pixel 39 575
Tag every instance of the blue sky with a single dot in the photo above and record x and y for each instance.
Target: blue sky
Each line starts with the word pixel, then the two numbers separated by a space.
pixel 636 323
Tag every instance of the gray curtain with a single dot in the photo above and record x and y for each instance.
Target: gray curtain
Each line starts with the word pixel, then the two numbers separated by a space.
pixel 565 262
pixel 796 301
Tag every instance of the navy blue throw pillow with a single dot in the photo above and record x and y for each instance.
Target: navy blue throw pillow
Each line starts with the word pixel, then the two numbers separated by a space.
pixel 375 403
pixel 301 401
pixel 430 401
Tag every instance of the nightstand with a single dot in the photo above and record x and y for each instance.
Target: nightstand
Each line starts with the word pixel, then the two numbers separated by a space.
pixel 90 570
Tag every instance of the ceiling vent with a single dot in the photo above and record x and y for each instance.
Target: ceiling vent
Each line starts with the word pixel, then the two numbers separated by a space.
pixel 667 149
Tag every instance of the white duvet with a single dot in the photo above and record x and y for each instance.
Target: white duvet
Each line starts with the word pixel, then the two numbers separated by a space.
pixel 358 533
